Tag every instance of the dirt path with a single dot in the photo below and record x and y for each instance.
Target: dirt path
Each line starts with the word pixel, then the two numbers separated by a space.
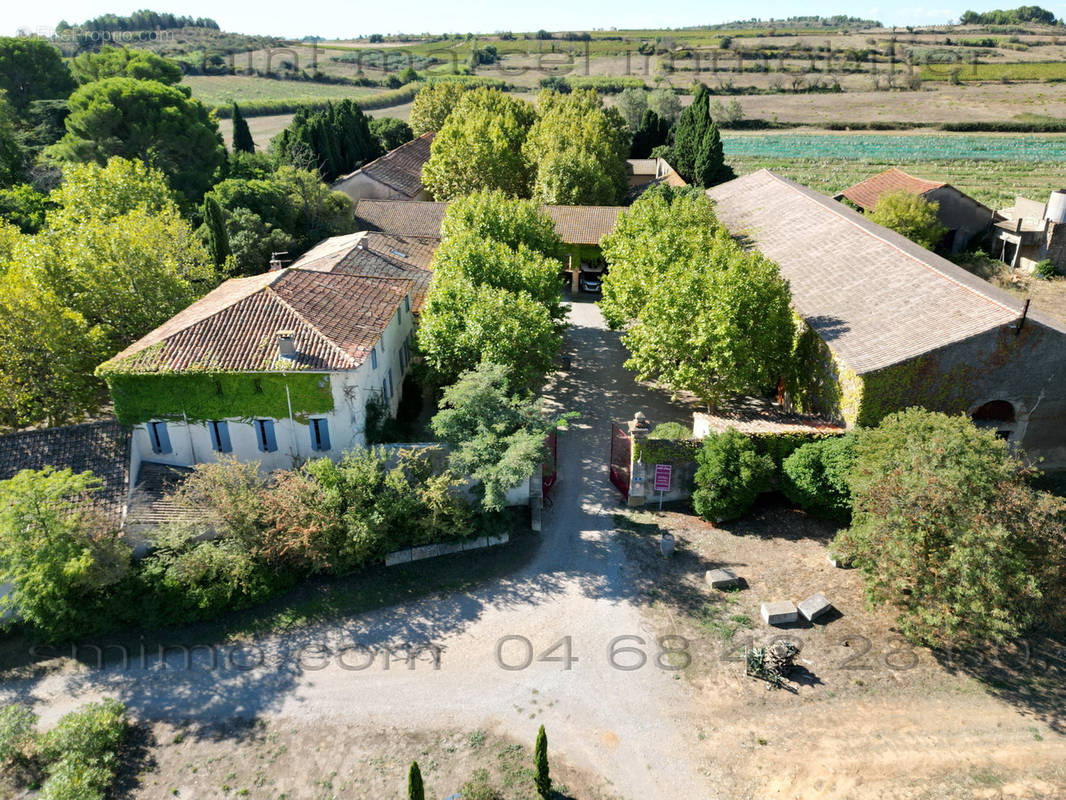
pixel 629 725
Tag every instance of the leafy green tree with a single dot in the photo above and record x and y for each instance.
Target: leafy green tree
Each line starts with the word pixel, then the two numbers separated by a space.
pixel 432 105
pixel 946 528
pixel 493 215
pixel 32 69
pixel 716 326
pixel 122 62
pixel 730 475
pixel 579 150
pixel 17 736
pixel 815 477
pixel 56 552
pixel 252 241
pixel 497 436
pixel 160 125
pixel 217 236
pixel 480 147
pixel 697 150
pixel 666 104
pixel 542 778
pixel 23 206
pixel 654 131
pixel 910 215
pixel 12 156
pixel 415 791
pixel 242 135
pixel 390 132
pixel 633 103
pixel 665 227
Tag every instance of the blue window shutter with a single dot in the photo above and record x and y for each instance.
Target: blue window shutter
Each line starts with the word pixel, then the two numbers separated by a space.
pixel 390 382
pixel 407 303
pixel 374 358
pixel 220 436
pixel 264 430
pixel 319 434
pixel 157 431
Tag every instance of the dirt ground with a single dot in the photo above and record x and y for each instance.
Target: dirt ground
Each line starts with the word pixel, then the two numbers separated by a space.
pixel 867 714
pixel 283 761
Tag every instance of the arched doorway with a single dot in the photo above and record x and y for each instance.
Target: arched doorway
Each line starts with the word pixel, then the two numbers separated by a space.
pixel 997 415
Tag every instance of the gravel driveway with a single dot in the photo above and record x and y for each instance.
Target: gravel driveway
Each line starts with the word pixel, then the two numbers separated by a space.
pixel 629 725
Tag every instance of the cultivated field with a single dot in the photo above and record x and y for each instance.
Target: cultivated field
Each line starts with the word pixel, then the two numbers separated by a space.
pixel 224 89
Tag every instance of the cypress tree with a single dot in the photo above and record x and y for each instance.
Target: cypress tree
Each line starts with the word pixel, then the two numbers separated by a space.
pixel 414 783
pixel 540 757
pixel 653 131
pixel 710 165
pixel 688 135
pixel 242 136
pixel 217 238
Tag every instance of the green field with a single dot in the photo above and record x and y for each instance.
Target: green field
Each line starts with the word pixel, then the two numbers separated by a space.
pixel 1035 149
pixel 223 89
pixel 994 183
pixel 1014 71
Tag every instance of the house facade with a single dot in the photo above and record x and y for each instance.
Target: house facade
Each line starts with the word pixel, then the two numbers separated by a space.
pixel 277 368
pixel 888 324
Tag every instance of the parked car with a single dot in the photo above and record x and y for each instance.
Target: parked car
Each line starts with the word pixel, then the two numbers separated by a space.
pixel 590 282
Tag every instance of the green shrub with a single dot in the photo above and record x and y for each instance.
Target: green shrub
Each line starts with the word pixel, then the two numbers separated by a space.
pixel 479 787
pixel 17 723
pixel 815 477
pixel 671 430
pixel 71 779
pixel 1045 270
pixel 731 474
pixel 92 734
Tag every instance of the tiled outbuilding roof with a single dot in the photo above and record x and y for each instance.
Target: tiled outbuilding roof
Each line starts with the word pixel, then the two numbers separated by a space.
pixel 574 224
pixel 865 194
pixel 336 319
pixel 401 168
pixel 875 297
pixel 376 254
pixel 99 447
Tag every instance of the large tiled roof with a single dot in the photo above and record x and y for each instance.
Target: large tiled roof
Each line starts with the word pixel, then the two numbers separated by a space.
pixel 376 254
pixel 866 193
pixel 336 317
pixel 401 169
pixel 99 447
pixel 574 224
pixel 875 297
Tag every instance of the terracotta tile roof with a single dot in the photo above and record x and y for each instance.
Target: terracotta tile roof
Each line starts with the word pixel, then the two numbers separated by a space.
pixel 401 169
pixel 756 415
pixel 866 193
pixel 100 447
pixel 336 317
pixel 574 224
pixel 875 297
pixel 376 254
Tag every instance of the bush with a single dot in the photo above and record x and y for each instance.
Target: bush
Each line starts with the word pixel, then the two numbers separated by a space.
pixel 93 734
pixel 671 430
pixel 70 779
pixel 731 474
pixel 1045 270
pixel 947 528
pixel 815 477
pixel 16 735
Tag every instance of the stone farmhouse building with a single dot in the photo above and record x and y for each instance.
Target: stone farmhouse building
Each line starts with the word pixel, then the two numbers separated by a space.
pixel 397 175
pixel 964 217
pixel 889 324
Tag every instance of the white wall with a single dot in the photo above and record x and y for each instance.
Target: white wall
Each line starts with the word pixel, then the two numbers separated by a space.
pixel 351 389
pixel 359 186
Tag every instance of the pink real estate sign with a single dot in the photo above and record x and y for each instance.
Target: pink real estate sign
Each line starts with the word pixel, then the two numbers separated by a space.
pixel 662 477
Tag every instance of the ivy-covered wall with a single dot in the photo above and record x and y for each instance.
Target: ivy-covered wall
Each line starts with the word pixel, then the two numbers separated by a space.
pixel 218 395
pixel 819 383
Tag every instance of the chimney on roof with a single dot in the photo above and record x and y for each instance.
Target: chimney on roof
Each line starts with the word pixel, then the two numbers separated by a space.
pixel 275 262
pixel 286 344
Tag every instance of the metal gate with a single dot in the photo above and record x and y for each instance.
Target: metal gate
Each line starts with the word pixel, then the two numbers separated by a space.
pixel 621 450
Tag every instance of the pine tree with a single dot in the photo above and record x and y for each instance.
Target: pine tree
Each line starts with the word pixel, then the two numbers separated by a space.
pixel 217 238
pixel 242 136
pixel 540 757
pixel 414 783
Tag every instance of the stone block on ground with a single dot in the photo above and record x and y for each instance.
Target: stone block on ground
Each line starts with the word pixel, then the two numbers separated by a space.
pixel 723 578
pixel 780 613
pixel 814 606
pixel 475 544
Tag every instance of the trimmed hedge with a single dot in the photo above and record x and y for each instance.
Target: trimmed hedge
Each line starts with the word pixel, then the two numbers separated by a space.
pixel 815 477
pixel 732 474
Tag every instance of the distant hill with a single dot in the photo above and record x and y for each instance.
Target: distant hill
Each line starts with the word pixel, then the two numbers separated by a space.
pixel 140 21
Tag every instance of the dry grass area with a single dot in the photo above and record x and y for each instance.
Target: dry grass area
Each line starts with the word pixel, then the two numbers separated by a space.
pixel 867 714
pixel 1048 296
pixel 322 762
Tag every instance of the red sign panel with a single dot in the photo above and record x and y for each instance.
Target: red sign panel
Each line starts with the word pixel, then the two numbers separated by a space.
pixel 662 477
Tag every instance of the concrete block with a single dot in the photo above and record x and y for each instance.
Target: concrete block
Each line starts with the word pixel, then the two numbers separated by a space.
pixel 447 548
pixel 399 557
pixel 814 606
pixel 475 544
pixel 779 613
pixel 425 551
pixel 723 578
pixel 503 538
